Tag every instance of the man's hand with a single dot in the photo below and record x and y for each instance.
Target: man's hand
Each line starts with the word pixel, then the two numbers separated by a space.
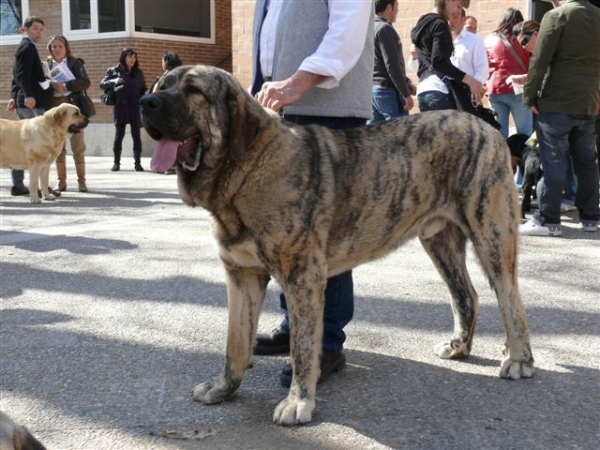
pixel 29 102
pixel 12 105
pixel 410 103
pixel 277 94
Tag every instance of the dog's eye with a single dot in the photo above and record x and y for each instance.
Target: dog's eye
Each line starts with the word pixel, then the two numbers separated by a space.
pixel 194 90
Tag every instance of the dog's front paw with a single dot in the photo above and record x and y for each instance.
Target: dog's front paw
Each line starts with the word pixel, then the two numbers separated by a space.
pixel 516 369
pixel 209 394
pixel 50 197
pixel 293 410
pixel 452 350
pixel 35 199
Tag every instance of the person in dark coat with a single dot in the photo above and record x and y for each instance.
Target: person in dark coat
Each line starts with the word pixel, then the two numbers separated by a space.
pixel 30 91
pixel 127 79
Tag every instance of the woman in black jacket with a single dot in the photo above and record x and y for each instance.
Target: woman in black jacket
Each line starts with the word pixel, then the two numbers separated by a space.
pixel 433 40
pixel 127 79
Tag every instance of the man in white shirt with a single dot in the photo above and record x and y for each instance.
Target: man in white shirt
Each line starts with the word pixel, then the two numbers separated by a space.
pixel 313 63
pixel 469 55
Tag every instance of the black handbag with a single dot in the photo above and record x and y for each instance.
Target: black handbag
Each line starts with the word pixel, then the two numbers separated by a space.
pixel 109 97
pixel 461 94
pixel 85 104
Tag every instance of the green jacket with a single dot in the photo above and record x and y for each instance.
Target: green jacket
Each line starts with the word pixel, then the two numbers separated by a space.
pixel 564 72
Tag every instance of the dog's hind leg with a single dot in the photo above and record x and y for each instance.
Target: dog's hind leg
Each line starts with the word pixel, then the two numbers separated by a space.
pixel 245 296
pixel 496 246
pixel 447 249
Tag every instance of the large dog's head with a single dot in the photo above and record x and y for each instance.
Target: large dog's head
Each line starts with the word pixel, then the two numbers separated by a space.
pixel 68 118
pixel 200 115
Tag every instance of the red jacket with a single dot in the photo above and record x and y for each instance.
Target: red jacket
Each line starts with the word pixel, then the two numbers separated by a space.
pixel 503 63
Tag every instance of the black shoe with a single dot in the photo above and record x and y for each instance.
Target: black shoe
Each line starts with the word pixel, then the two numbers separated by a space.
pixel 330 362
pixel 16 191
pixel 276 343
pixel 115 168
pixel 53 192
pixel 138 168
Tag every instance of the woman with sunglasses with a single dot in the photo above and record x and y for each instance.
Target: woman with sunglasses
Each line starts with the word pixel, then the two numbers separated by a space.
pixel 507 58
pixel 127 79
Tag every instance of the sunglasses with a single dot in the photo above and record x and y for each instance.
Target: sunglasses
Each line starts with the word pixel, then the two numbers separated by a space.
pixel 525 40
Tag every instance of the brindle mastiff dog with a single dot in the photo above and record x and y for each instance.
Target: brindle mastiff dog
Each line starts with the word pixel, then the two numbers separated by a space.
pixel 301 204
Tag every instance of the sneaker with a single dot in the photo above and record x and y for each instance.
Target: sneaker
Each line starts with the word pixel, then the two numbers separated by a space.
pixel 15 191
pixel 589 227
pixel 138 168
pixel 534 228
pixel 115 168
pixel 567 207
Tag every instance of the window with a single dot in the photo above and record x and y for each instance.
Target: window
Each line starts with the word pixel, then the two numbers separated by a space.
pixel 95 16
pixel 12 14
pixel 190 18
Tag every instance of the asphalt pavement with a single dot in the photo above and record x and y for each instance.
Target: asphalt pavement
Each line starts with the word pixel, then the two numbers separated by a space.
pixel 113 308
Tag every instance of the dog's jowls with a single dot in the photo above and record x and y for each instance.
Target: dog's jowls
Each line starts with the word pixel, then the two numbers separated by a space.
pixel 300 204
pixel 34 144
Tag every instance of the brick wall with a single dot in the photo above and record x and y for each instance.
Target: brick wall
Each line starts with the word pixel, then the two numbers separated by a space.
pixel 488 13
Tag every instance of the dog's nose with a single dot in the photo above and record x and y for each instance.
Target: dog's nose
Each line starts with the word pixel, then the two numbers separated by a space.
pixel 149 102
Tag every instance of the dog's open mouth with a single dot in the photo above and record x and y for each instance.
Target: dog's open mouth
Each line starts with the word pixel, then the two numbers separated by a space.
pixel 168 152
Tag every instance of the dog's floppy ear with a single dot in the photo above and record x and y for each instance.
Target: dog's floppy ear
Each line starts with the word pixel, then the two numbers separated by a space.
pixel 244 121
pixel 60 113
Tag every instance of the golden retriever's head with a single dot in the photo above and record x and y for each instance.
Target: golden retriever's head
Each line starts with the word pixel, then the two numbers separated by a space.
pixel 200 115
pixel 68 118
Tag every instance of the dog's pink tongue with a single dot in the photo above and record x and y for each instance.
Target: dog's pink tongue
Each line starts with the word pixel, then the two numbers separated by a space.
pixel 164 156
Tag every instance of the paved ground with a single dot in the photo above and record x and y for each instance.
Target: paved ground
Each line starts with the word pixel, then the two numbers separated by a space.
pixel 113 308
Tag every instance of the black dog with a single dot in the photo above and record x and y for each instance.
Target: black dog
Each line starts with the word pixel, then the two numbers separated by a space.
pixel 527 158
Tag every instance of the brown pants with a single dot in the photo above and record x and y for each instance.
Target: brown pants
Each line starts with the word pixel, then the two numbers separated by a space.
pixel 77 141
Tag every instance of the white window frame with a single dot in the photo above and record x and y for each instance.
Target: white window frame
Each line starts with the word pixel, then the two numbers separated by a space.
pixel 94 34
pixel 16 38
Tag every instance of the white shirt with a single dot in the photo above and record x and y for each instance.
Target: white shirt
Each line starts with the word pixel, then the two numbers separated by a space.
pixel 340 49
pixel 470 55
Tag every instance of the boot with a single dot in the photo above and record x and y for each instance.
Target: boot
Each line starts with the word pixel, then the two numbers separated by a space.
pixel 80 168
pixel 117 165
pixel 137 158
pixel 61 170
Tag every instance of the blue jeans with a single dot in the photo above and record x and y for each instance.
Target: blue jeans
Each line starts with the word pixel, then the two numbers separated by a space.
pixel 434 101
pixel 506 104
pixel 339 292
pixel 18 176
pixel 570 184
pixel 386 104
pixel 558 135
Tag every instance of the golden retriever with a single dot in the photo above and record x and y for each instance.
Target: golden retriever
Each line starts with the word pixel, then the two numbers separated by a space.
pixel 35 143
